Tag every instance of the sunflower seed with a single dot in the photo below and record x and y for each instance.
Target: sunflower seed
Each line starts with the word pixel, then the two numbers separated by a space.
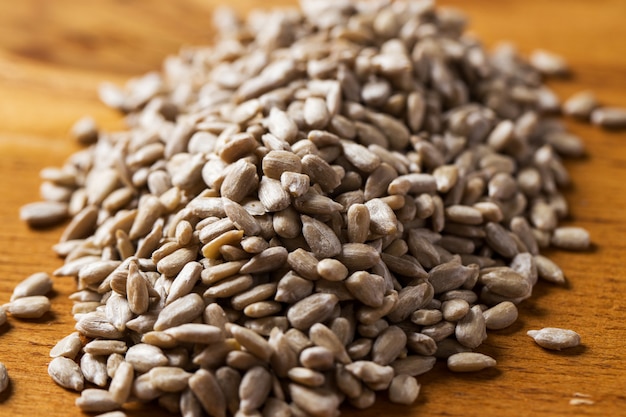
pixel 31 307
pixel 571 238
pixel 554 338
pixel 93 400
pixel 44 213
pixel 66 373
pixel 609 117
pixel 469 362
pixel 404 389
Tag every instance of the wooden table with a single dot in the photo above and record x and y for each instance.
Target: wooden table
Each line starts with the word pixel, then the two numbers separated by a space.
pixel 53 55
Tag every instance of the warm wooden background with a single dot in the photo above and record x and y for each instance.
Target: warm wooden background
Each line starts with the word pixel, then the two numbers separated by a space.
pixel 53 54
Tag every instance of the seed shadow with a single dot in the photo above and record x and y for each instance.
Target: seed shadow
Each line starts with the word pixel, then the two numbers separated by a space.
pixel 6 394
pixel 569 352
pixel 5 328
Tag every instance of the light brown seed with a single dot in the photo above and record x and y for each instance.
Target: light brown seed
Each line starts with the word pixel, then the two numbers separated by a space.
pixel 144 357
pixel 470 362
pixel 375 376
pixel 404 389
pixel 252 341
pixel 269 260
pixel 500 316
pixel 320 238
pixel 571 238
pixel 581 105
pixel 277 162
pixel 181 311
pixel 388 345
pixel 555 338
pixel 323 336
pixel 207 391
pixel 505 282
pixel 44 213
pixel 548 270
pixel 383 220
pixel 609 117
pixel 254 389
pixel 36 284
pixel 273 195
pixel 313 309
pixel 93 400
pixel 169 379
pixel 471 331
pixel 314 401
pixel 367 288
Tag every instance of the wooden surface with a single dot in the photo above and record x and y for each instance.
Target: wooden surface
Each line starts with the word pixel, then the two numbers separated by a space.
pixel 53 54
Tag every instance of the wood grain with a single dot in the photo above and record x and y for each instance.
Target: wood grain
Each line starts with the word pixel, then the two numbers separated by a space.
pixel 53 55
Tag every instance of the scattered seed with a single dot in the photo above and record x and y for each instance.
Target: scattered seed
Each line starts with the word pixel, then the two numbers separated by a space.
pixel 554 338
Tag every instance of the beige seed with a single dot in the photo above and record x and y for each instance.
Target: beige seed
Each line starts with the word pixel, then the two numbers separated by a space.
pixel 313 309
pixel 505 282
pixel 144 357
pixel 383 220
pixel 367 288
pixel 469 362
pixel 295 184
pixel 554 338
pixel 207 391
pixel 122 383
pixel 68 347
pixel 404 389
pixel 105 347
pixel 36 284
pixel 4 378
pixel 137 290
pixel 269 260
pixel 307 377
pixel 240 180
pixel 609 117
pixel 112 414
pixel 500 316
pixel 184 281
pixel 324 337
pixel 358 223
pixel 548 270
pixel 548 63
pixel 314 401
pixel 253 342
pixel 273 195
pixel 471 330
pixel 241 219
pixel 169 379
pixel 181 311
pixel 571 238
pixel 375 376
pixel 254 389
pixel 581 105
pixel 32 307
pixel 332 269
pixel 45 213
pixel 196 333
pixel 388 345
pixel 93 400
pixel 321 238
pixel 66 373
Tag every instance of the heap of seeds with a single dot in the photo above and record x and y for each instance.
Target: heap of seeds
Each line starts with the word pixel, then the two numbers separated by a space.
pixel 317 207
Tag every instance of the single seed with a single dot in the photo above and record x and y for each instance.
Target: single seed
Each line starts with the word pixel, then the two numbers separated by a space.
pixel 554 338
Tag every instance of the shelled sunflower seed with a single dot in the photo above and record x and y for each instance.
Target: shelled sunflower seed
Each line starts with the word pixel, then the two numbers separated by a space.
pixel 317 207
